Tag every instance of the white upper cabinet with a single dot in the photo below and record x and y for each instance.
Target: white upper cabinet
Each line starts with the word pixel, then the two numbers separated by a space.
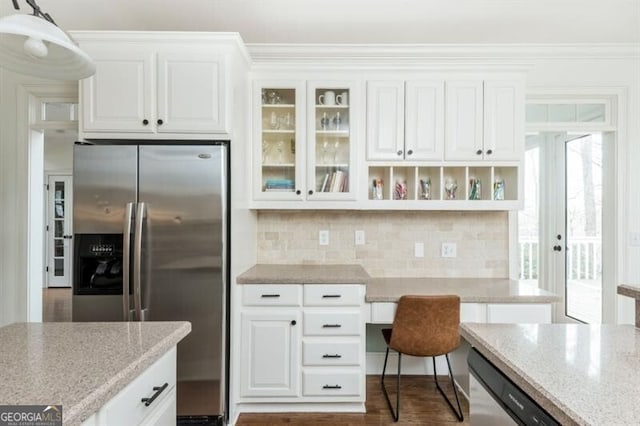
pixel 424 120
pixel 148 88
pixel 405 121
pixel 504 105
pixel 385 120
pixel 463 140
pixel 484 120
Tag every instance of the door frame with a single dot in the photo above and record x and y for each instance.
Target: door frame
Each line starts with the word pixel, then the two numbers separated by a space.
pixel 48 218
pixel 30 128
pixel 613 310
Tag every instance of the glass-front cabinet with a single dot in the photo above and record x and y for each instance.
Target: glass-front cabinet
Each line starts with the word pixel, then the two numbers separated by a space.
pixel 330 156
pixel 278 140
pixel 303 141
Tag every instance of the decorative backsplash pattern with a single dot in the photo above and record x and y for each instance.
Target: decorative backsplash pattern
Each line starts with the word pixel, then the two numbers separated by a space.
pixel 291 237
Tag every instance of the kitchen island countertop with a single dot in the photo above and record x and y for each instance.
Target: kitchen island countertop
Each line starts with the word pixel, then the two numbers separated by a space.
pixel 581 374
pixel 80 366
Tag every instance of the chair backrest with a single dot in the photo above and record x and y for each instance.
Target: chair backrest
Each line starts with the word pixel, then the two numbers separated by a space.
pixel 426 325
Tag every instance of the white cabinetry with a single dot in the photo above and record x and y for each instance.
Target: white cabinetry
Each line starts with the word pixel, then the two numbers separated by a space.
pixel 304 142
pixel 295 352
pixel 144 87
pixel 405 120
pixel 484 120
pixel 148 400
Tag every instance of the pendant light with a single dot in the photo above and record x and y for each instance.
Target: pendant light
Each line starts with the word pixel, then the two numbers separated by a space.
pixel 35 45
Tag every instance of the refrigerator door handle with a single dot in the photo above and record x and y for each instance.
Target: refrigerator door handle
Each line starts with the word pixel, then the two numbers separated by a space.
pixel 126 260
pixel 137 260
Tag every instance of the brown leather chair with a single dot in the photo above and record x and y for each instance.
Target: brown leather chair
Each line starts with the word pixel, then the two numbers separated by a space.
pixel 424 326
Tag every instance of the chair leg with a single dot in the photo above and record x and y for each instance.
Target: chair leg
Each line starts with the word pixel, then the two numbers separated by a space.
pixel 458 412
pixel 395 413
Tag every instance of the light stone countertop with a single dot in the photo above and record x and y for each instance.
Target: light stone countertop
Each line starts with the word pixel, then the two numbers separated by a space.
pixel 80 366
pixel 470 290
pixel 581 374
pixel 304 274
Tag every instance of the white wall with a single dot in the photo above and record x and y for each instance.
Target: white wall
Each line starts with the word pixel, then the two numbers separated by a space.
pixel 58 151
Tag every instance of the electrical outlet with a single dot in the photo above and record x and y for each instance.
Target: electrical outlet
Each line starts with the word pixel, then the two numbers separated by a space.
pixel 634 237
pixel 418 250
pixel 449 250
pixel 360 238
pixel 323 237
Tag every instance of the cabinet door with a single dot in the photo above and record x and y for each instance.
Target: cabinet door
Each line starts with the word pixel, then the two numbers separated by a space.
pixel 463 134
pixel 424 120
pixel 270 357
pixel 332 139
pixel 120 96
pixel 503 120
pixel 191 92
pixel 385 120
pixel 278 140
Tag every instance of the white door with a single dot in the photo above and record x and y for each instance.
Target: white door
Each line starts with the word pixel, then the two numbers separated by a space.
pixel 59 231
pixel 566 225
pixel 424 120
pixel 385 120
pixel 503 119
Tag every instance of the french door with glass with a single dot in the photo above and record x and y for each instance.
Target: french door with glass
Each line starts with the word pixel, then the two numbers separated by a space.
pixel 59 232
pixel 563 229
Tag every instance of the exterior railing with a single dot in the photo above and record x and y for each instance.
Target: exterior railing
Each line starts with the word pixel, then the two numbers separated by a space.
pixel 584 258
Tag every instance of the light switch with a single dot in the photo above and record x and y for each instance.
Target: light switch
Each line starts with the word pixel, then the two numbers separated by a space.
pixel 418 250
pixel 323 237
pixel 449 250
pixel 360 237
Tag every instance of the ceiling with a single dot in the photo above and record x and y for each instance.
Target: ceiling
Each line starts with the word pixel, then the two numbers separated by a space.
pixel 362 21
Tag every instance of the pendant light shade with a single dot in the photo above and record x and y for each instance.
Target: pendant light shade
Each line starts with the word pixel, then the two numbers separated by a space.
pixel 33 46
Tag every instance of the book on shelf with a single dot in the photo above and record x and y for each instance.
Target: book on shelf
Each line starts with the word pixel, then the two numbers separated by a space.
pixel 334 182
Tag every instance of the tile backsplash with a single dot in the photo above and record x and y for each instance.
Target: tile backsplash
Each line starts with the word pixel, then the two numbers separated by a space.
pixel 291 237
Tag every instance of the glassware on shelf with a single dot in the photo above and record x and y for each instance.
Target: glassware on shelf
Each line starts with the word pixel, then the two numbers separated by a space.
pixel 475 189
pixel 280 148
pixel 287 121
pixel 425 187
pixel 450 188
pixel 274 122
pixel 273 97
pixel 264 96
pixel 336 150
pixel 400 192
pixel 324 122
pixel 377 193
pixel 325 151
pixel 498 188
pixel 266 147
pixel 337 121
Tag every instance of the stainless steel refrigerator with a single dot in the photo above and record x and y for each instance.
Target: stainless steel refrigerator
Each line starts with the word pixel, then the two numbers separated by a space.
pixel 150 244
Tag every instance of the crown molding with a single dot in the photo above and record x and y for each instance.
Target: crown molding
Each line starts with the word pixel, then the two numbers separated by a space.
pixel 266 54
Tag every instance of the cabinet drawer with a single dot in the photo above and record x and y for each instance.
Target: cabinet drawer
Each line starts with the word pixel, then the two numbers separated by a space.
pixel 332 383
pixel 271 295
pixel 330 352
pixel 327 323
pixel 333 295
pixel 127 408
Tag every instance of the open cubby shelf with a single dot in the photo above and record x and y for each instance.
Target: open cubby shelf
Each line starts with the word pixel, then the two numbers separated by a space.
pixel 443 183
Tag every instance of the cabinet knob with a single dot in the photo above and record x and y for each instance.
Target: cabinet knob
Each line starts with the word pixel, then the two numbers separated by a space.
pixel 311 192
pixel 479 152
pixel 160 122
pixel 399 152
pixel 145 122
pixel 293 322
pixel 298 192
pixel 410 152
pixel 557 248
pixel 489 152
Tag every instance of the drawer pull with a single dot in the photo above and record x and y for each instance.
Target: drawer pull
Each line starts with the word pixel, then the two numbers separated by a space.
pixel 332 387
pixel 159 390
pixel 331 296
pixel 270 296
pixel 331 325
pixel 331 356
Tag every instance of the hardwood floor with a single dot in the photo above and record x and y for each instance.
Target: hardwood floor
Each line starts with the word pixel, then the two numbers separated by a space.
pixel 56 304
pixel 420 404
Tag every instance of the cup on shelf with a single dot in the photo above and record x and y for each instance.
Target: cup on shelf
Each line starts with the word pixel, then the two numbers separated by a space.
pixel 343 98
pixel 327 98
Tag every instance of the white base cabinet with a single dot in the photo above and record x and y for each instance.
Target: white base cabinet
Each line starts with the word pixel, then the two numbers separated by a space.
pixel 302 346
pixel 127 407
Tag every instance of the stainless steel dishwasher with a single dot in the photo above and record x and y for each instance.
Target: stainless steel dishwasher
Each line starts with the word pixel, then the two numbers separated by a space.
pixel 497 401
